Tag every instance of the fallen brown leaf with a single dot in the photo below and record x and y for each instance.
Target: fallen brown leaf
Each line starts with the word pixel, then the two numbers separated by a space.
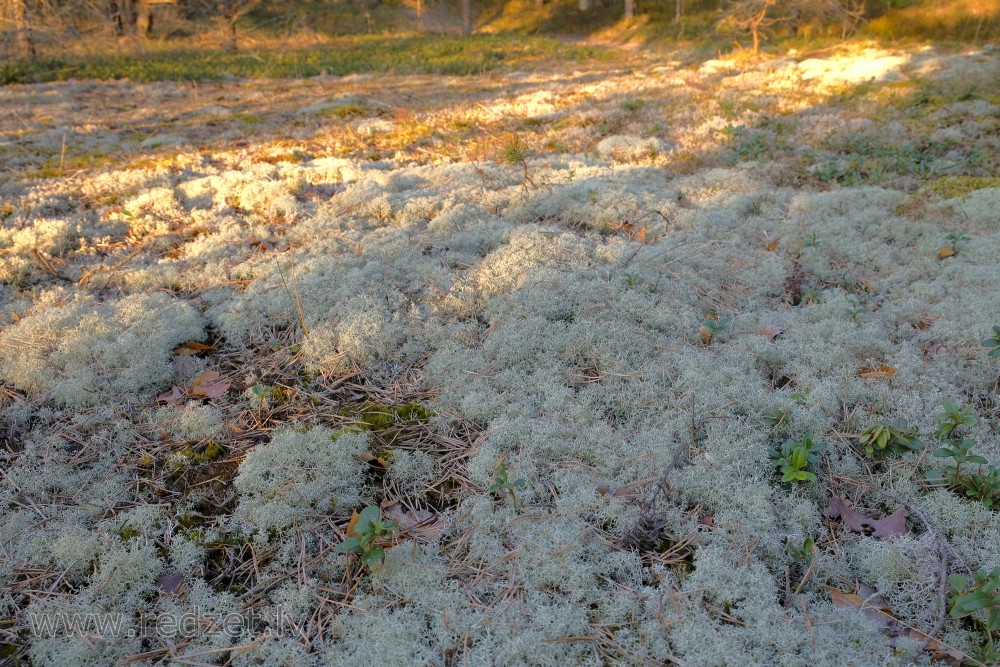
pixel 207 385
pixel 889 526
pixel 772 331
pixel 772 246
pixel 706 335
pixel 355 517
pixel 876 609
pixel 420 524
pixel 371 459
pixel 170 583
pixel 193 348
pixel 173 395
pixel 945 252
pixel 876 373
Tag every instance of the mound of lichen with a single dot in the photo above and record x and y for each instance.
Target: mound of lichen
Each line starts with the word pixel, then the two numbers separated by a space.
pixel 580 321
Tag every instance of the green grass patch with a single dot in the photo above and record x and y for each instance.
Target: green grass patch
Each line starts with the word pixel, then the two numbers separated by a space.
pixel 950 187
pixel 396 55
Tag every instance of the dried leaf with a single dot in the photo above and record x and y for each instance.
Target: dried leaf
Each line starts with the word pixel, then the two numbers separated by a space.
pixel 876 609
pixel 207 385
pixel 170 583
pixel 193 348
pixel 419 523
pixel 641 235
pixel 352 524
pixel 772 246
pixel 876 373
pixel 706 335
pixel 772 331
pixel 935 347
pixel 889 526
pixel 169 396
pixel 945 252
pixel 371 459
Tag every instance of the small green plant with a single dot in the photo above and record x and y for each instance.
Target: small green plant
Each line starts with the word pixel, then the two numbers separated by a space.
pixel 710 328
pixel 262 392
pixel 993 343
pixel 776 417
pixel 952 418
pixel 631 280
pixel 959 452
pixel 895 437
pixel 514 152
pixel 503 486
pixel 369 529
pixel 955 239
pixel 811 297
pixel 795 458
pixel 633 106
pixel 982 484
pixel 803 554
pixel 856 307
pixel 812 241
pixel 981 591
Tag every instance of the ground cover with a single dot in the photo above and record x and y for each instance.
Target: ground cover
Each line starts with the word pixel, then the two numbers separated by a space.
pixel 646 359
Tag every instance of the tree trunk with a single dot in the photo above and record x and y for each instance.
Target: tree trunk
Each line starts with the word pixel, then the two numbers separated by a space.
pixel 539 4
pixel 756 39
pixel 585 5
pixel 466 17
pixel 629 9
pixel 22 22
pixel 677 12
pixel 230 32
pixel 143 17
pixel 420 16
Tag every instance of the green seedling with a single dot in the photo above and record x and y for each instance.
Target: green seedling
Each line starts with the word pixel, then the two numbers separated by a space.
pixel 982 484
pixel 776 417
pixel 895 437
pixel 710 328
pixel 369 529
pixel 631 280
pixel 958 451
pixel 795 458
pixel 503 486
pixel 993 343
pixel 952 418
pixel 802 554
pixel 261 391
pixel 955 239
pixel 981 591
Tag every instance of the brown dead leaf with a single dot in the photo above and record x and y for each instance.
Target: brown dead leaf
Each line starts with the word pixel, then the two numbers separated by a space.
pixel 170 584
pixel 876 609
pixel 371 459
pixel 706 335
pixel 945 252
pixel 355 517
pixel 889 526
pixel 207 385
pixel 876 372
pixel 772 246
pixel 772 331
pixel 193 348
pixel 173 395
pixel 935 347
pixel 421 524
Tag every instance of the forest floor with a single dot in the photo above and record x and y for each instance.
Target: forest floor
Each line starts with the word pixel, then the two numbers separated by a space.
pixel 605 337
